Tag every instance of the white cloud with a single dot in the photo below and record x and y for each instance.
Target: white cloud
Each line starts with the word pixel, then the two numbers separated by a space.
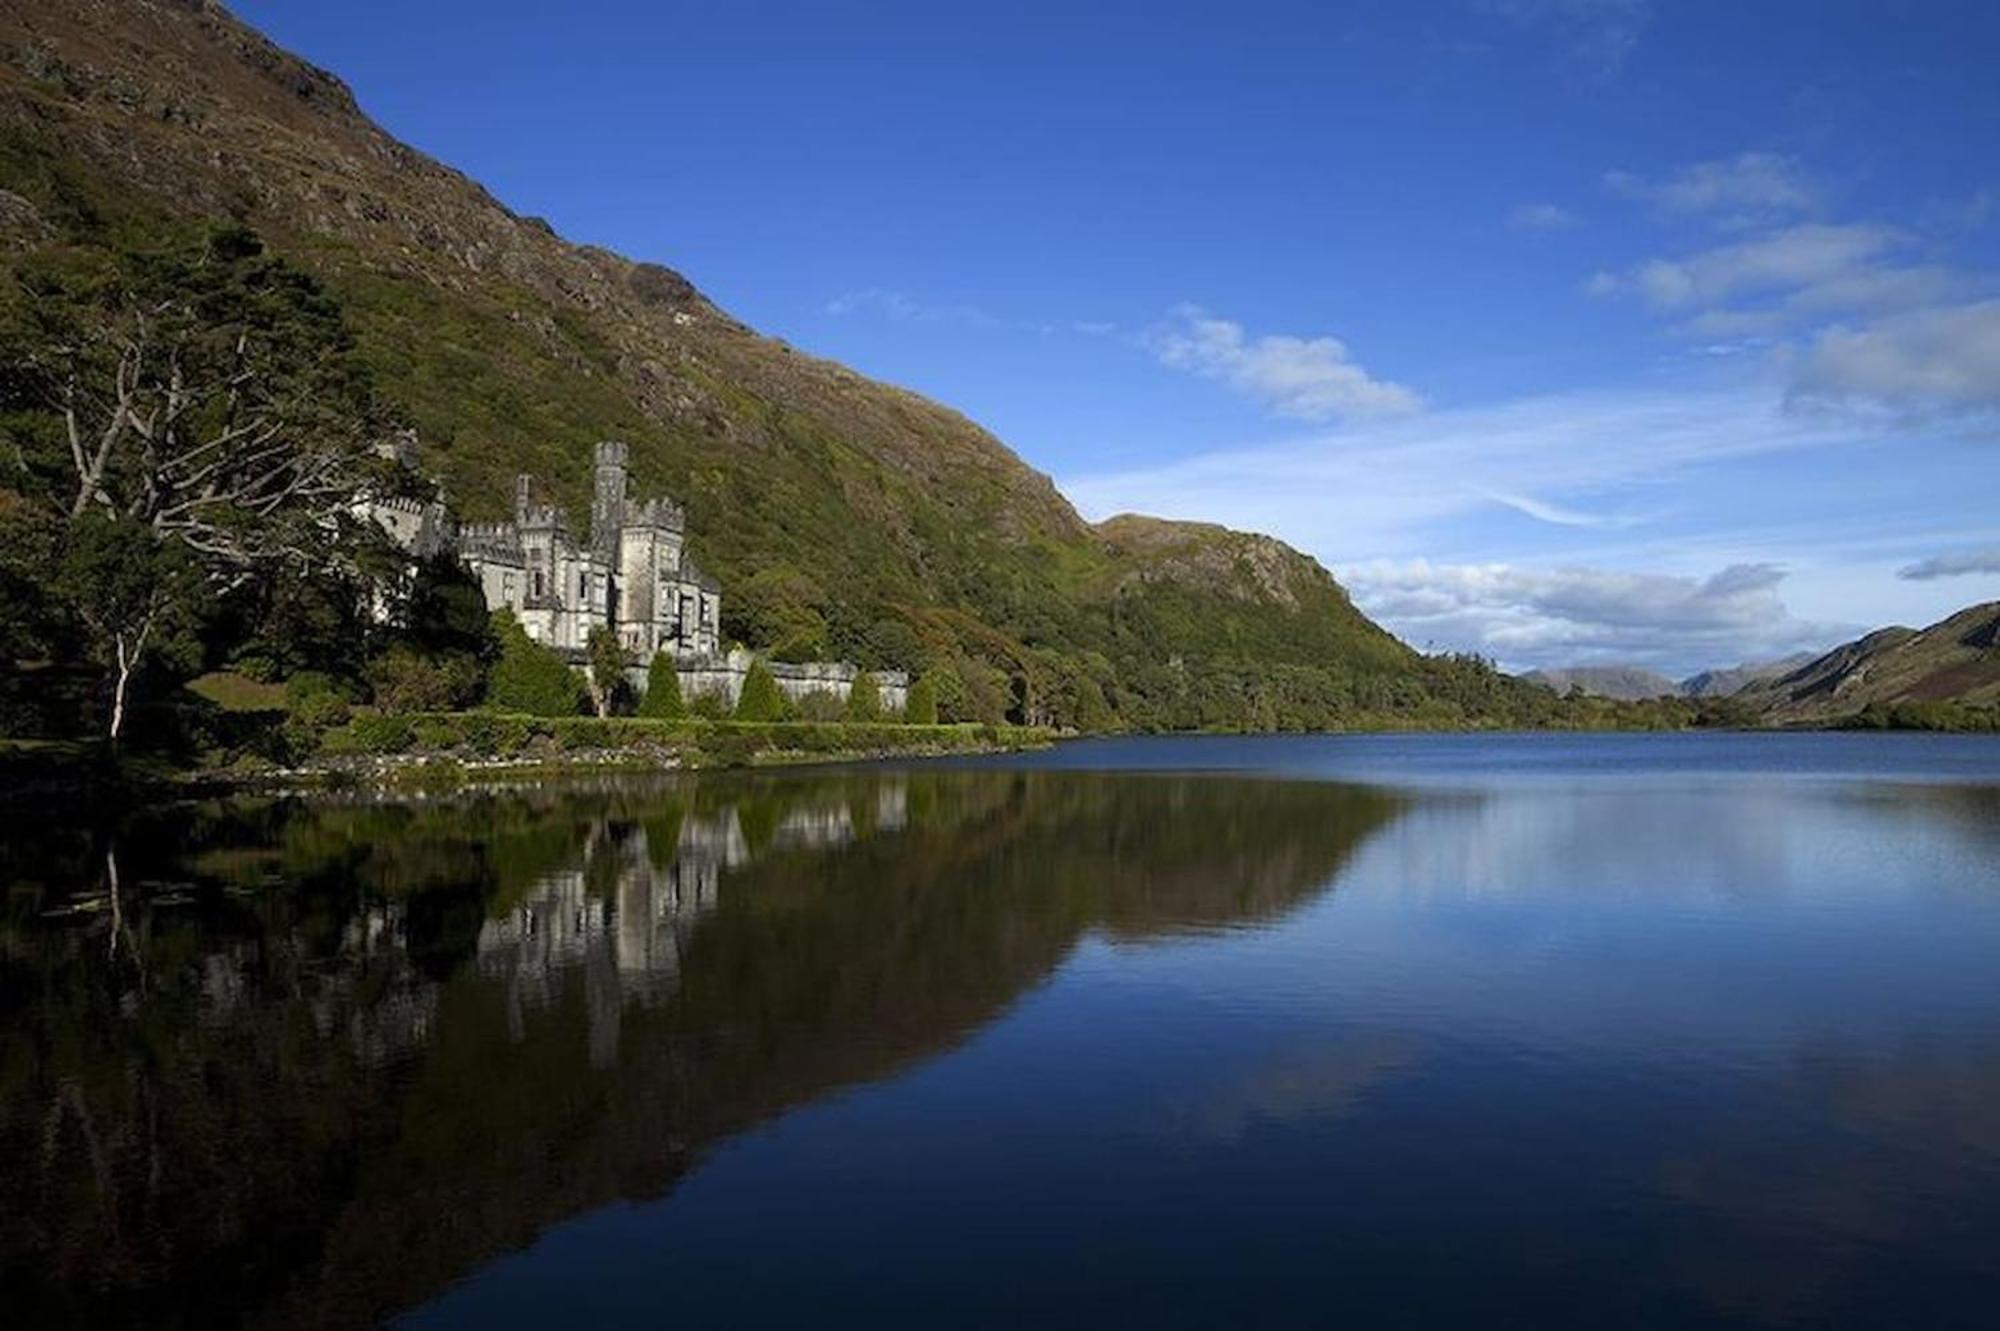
pixel 1945 359
pixel 1541 217
pixel 1958 565
pixel 1812 258
pixel 1597 35
pixel 1732 191
pixel 1307 379
pixel 1527 617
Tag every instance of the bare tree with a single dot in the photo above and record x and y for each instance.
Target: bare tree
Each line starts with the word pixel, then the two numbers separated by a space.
pixel 209 395
pixel 206 396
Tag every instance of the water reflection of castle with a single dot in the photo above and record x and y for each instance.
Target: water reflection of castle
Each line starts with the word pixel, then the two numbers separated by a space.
pixel 624 916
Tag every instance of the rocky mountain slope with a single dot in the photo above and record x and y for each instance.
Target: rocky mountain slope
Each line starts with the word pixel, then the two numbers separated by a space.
pixel 1954 660
pixel 843 516
pixel 1722 683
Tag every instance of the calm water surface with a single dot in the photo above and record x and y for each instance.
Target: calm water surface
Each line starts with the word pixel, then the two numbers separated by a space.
pixel 1502 1031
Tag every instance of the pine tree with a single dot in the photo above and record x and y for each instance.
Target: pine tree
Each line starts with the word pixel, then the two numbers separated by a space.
pixel 663 690
pixel 761 700
pixel 921 708
pixel 864 698
pixel 529 677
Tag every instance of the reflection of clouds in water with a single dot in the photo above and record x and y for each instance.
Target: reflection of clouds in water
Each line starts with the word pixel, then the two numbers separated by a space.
pixel 1873 1157
pixel 1322 1081
pixel 1733 839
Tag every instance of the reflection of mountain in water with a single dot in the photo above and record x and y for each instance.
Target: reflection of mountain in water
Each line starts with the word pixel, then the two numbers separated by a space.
pixel 325 1057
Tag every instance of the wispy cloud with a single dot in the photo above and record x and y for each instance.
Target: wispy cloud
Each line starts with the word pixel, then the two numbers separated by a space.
pixel 1749 188
pixel 1545 617
pixel 1596 36
pixel 1382 487
pixel 1300 378
pixel 1861 315
pixel 1561 515
pixel 900 307
pixel 1959 564
pixel 1540 217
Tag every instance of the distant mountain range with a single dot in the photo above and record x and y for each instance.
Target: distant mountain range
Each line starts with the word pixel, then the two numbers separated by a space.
pixel 1635 683
pixel 1954 660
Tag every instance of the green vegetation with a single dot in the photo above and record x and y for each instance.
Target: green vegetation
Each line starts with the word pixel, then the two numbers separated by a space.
pixel 663 690
pixel 1948 717
pixel 921 709
pixel 761 699
pixel 529 677
pixel 604 672
pixel 864 699
pixel 689 741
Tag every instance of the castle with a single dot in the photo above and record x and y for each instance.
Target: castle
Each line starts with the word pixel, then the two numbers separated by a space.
pixel 634 575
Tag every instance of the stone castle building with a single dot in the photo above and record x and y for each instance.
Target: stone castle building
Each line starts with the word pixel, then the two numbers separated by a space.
pixel 631 573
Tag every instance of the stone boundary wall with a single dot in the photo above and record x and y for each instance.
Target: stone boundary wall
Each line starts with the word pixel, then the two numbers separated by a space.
pixel 796 679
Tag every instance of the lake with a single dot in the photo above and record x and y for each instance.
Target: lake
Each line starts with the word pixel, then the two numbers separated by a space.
pixel 1542 1031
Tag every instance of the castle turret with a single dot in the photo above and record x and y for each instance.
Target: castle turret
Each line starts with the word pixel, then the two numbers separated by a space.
pixel 607 503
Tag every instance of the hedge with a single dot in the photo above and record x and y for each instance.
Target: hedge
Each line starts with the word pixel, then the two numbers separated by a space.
pixel 492 734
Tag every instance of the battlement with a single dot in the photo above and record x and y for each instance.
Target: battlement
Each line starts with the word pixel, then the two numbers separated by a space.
pixel 415 508
pixel 490 540
pixel 540 516
pixel 663 513
pixel 611 453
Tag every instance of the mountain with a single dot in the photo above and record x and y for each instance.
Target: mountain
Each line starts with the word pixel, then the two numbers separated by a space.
pixel 1956 660
pixel 1722 683
pixel 1626 683
pixel 843 517
pixel 1637 683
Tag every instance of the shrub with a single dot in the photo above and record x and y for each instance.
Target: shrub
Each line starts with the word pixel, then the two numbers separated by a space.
pixel 864 698
pixel 606 673
pixel 529 677
pixel 761 700
pixel 404 680
pixel 921 708
pixel 820 705
pixel 663 690
pixel 710 705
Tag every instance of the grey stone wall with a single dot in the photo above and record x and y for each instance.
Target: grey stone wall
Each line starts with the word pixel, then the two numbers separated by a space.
pixel 796 680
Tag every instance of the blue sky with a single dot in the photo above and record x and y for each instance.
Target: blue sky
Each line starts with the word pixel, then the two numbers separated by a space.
pixel 1562 330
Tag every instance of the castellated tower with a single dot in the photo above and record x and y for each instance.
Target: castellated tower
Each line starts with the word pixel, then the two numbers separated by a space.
pixel 607 502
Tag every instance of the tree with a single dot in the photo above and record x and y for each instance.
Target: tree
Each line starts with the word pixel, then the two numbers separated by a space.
pixel 663 690
pixel 921 707
pixel 529 677
pixel 1093 714
pixel 606 673
pixel 193 409
pixel 864 698
pixel 761 699
pixel 206 390
pixel 136 595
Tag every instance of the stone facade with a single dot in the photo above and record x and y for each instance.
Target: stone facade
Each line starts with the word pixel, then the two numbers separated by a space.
pixel 723 675
pixel 633 574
